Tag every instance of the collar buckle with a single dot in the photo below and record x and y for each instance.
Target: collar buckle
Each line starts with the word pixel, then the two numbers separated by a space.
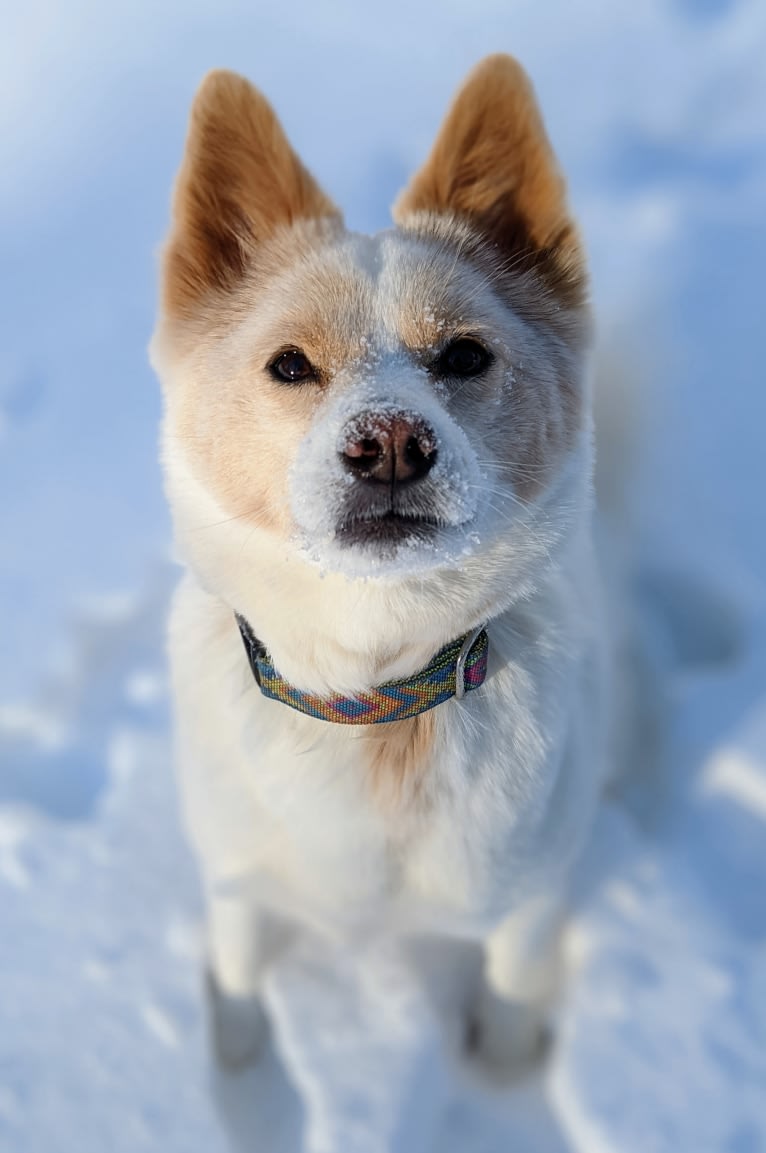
pixel 462 657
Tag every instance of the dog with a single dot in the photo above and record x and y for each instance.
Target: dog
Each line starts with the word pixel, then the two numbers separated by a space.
pixel 388 650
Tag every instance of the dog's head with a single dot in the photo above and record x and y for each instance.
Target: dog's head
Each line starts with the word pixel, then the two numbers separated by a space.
pixel 405 412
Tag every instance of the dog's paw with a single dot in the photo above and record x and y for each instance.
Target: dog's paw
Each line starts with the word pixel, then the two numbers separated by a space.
pixel 508 1037
pixel 238 1026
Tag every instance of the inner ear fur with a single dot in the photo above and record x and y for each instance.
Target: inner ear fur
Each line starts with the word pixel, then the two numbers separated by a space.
pixel 493 167
pixel 239 181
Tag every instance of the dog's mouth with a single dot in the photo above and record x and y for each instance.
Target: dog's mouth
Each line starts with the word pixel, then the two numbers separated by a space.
pixel 387 530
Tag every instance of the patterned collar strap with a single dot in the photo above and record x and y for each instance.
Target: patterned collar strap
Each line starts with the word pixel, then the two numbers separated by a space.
pixel 457 669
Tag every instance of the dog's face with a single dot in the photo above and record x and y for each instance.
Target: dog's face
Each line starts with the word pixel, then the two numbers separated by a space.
pixel 390 408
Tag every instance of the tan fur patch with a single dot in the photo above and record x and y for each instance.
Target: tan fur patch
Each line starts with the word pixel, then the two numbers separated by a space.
pixel 492 165
pixel 240 180
pixel 237 425
pixel 398 755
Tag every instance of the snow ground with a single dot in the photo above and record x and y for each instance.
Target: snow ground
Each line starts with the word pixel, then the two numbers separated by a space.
pixel 658 113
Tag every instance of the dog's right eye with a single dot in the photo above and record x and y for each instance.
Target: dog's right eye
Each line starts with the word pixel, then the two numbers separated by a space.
pixel 293 367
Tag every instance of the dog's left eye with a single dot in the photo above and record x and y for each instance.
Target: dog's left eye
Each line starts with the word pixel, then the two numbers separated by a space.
pixel 293 367
pixel 463 358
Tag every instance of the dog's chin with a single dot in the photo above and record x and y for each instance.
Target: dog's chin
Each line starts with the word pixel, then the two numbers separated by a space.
pixel 392 545
pixel 386 535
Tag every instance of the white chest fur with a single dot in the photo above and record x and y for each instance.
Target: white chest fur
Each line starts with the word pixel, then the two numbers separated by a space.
pixel 282 804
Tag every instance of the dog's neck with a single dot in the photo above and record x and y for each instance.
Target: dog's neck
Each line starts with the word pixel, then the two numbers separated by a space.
pixel 457 669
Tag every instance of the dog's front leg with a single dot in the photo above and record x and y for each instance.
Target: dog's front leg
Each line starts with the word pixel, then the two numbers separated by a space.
pixel 237 948
pixel 521 973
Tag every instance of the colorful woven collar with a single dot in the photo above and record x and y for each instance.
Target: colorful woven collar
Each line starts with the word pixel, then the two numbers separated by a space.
pixel 457 669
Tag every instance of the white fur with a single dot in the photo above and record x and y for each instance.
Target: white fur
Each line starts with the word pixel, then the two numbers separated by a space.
pixel 281 814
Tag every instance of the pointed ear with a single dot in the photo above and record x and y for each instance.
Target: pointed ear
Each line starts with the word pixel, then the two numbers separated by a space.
pixel 493 166
pixel 239 181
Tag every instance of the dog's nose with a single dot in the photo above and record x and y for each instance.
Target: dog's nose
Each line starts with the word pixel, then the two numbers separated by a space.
pixel 388 448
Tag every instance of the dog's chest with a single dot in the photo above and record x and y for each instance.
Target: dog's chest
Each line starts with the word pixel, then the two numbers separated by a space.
pixel 330 839
pixel 352 854
pixel 291 804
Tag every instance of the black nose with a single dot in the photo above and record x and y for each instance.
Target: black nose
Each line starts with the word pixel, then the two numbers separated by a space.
pixel 389 448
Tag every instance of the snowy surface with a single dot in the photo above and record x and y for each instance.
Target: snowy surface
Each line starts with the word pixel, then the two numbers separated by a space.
pixel 658 113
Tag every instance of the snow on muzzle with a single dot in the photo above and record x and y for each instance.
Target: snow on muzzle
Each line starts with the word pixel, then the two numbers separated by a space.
pixel 369 458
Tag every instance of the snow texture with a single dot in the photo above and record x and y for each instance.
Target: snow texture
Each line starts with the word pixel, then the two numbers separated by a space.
pixel 657 112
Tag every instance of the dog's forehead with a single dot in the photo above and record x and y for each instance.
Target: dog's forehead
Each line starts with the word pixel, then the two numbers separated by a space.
pixel 427 290
pixel 386 292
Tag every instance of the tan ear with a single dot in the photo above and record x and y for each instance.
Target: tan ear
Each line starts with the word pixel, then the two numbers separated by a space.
pixel 493 166
pixel 238 182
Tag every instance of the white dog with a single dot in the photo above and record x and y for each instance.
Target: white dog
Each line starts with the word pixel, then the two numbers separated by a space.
pixel 387 650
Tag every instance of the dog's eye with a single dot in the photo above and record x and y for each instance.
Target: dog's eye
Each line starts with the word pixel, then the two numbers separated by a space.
pixel 293 367
pixel 463 358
